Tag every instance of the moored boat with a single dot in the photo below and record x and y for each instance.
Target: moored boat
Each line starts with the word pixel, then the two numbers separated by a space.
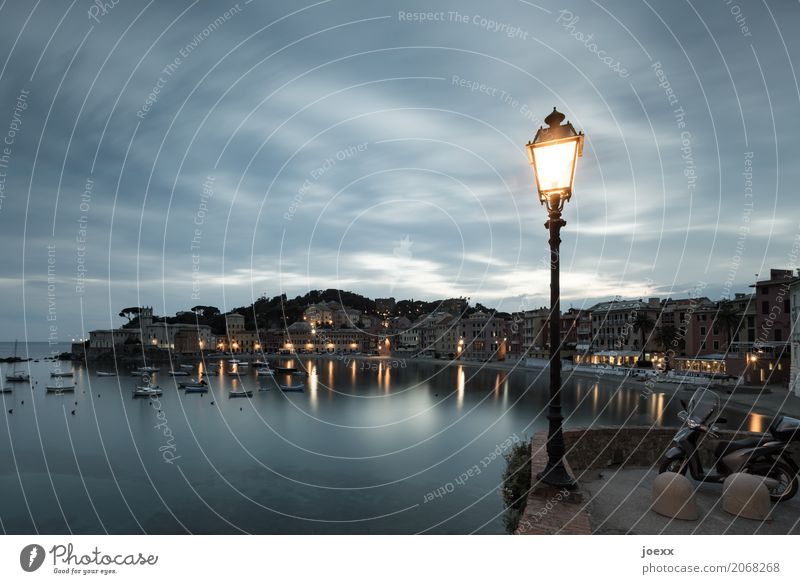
pixel 298 387
pixel 243 393
pixel 16 375
pixel 147 369
pixel 185 384
pixel 60 388
pixel 106 374
pixel 146 391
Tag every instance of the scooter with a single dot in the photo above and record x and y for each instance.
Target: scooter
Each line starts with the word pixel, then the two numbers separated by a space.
pixel 765 455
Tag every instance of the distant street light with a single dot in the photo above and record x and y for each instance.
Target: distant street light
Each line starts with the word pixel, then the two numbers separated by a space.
pixel 554 153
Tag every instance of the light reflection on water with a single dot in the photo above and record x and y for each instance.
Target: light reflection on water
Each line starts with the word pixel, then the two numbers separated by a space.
pixel 355 453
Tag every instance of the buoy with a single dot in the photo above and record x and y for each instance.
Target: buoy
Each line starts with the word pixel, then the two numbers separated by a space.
pixel 11 411
pixel 73 412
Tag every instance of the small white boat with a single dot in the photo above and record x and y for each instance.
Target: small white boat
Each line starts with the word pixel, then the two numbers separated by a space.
pixel 298 387
pixel 61 374
pixel 16 375
pixel 247 393
pixel 265 371
pixel 241 364
pixel 179 373
pixel 187 367
pixel 196 389
pixel 106 374
pixel 147 369
pixel 146 391
pixel 60 388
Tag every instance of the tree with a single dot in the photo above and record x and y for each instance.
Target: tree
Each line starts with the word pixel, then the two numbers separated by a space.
pixel 667 337
pixel 730 320
pixel 643 324
pixel 130 312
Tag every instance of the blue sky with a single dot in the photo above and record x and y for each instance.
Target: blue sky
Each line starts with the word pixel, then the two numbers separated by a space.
pixel 236 149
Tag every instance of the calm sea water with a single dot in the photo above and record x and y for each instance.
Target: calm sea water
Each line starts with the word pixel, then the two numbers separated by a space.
pixel 360 451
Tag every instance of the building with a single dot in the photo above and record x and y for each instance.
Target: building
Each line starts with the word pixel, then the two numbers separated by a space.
pixel 583 342
pixel 110 338
pixel 483 337
pixel 515 348
pixel 622 331
pixel 237 339
pixel 344 317
pixel 180 337
pixel 535 339
pixel 427 327
pixel 319 314
pixel 704 333
pixel 794 318
pixel 446 343
pixel 771 348
pixel 332 314
pixel 271 340
pixel 193 338
pixel 408 339
pixel 744 335
pixel 299 337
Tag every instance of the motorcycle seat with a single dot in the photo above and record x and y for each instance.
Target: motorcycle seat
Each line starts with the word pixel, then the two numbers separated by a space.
pixel 727 446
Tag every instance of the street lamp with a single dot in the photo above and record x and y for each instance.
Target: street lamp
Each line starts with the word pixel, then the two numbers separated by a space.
pixel 553 154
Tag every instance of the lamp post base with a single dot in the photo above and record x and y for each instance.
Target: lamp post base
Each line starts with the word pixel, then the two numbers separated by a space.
pixel 557 476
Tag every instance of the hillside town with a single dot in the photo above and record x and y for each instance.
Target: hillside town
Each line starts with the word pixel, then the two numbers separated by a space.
pixel 750 336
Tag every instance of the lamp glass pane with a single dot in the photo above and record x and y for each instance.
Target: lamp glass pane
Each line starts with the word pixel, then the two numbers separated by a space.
pixel 555 164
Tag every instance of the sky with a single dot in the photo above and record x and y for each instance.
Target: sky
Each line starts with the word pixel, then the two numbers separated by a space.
pixel 193 152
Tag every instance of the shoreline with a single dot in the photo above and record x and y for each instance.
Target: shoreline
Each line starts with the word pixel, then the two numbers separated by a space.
pixel 766 401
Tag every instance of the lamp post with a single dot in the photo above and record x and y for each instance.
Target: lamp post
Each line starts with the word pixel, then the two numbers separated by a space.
pixel 553 154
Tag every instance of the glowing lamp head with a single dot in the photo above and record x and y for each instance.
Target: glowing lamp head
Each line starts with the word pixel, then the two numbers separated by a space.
pixel 553 154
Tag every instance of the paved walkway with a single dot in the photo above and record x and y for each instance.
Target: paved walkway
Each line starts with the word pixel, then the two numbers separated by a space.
pixel 619 502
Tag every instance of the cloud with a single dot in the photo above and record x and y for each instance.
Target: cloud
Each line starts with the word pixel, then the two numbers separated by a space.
pixel 272 102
